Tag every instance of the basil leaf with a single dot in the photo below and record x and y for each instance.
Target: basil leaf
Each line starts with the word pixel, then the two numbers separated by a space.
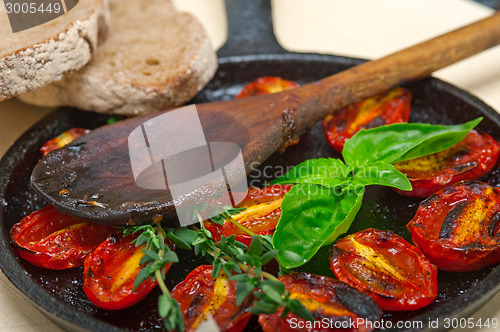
pixel 381 174
pixel 312 216
pixel 403 141
pixel 328 172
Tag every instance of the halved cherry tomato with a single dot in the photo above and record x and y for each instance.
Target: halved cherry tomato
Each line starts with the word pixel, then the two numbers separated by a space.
pixel 386 108
pixel 458 228
pixel 265 85
pixel 63 139
pixel 49 239
pixel 261 214
pixel 470 159
pixel 199 295
pixel 333 304
pixel 385 266
pixel 110 271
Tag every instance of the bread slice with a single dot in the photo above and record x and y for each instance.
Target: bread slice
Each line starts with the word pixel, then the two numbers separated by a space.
pixel 155 57
pixel 38 56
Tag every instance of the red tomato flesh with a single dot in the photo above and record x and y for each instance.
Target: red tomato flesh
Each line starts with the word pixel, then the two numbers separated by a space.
pixel 110 272
pixel 266 85
pixel 261 214
pixel 392 271
pixel 55 241
pixel 386 108
pixel 458 227
pixel 199 295
pixel 63 139
pixel 329 300
pixel 475 156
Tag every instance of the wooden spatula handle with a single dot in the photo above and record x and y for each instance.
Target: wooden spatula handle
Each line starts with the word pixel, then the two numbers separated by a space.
pixel 410 64
pixel 274 120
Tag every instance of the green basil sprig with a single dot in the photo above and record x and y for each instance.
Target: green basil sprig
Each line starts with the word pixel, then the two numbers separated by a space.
pixel 328 192
pixel 326 172
pixel 381 174
pixel 312 216
pixel 402 141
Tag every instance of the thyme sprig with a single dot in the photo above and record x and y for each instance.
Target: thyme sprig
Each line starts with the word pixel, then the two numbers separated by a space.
pixel 244 265
pixel 241 263
pixel 224 212
pixel 157 256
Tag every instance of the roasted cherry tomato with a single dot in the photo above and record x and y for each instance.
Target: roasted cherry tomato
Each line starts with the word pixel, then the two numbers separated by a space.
pixel 266 85
pixel 386 108
pixel 261 214
pixel 385 266
pixel 110 271
pixel 199 295
pixel 49 239
pixel 470 159
pixel 458 228
pixel 335 306
pixel 63 139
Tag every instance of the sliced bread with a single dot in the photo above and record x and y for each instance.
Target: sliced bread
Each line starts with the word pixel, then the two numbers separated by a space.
pixel 154 57
pixel 38 56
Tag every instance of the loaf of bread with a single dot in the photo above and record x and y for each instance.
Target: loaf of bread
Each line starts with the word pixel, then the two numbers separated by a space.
pixel 38 56
pixel 154 57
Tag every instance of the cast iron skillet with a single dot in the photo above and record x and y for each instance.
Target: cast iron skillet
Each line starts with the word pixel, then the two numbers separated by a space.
pixel 252 51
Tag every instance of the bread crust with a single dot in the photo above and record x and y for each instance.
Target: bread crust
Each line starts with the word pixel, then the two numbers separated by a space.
pixel 123 92
pixel 66 46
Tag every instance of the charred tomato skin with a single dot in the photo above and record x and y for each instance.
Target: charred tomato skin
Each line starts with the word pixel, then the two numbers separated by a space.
pixel 56 241
pixel 261 214
pixel 327 299
pixel 473 157
pixel 199 295
pixel 389 107
pixel 458 228
pixel 392 271
pixel 110 272
pixel 265 85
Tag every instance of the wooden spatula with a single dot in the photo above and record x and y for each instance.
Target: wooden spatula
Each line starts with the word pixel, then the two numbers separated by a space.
pixel 96 170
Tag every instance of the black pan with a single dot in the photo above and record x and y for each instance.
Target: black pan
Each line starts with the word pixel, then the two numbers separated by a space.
pixel 59 293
